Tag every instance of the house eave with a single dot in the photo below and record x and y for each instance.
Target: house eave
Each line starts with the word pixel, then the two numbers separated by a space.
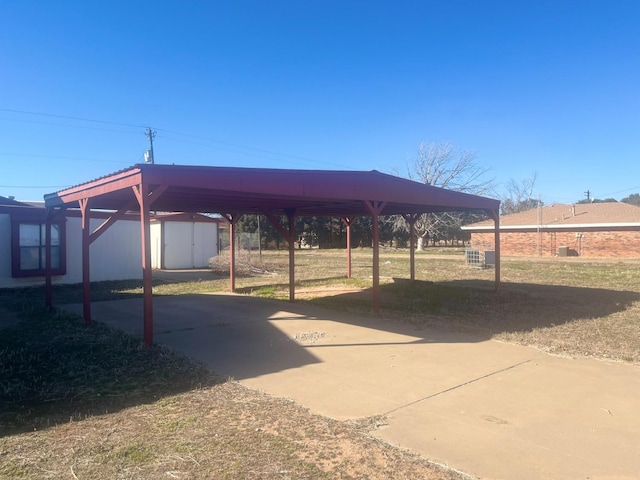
pixel 628 226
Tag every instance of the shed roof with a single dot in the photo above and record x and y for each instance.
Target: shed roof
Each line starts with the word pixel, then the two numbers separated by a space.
pixel 253 190
pixel 602 216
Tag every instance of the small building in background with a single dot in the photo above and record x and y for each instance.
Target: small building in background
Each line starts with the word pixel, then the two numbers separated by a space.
pixel 610 229
pixel 183 240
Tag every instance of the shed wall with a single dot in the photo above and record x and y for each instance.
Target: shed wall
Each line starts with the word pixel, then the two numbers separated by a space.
pixel 156 245
pixel 115 255
pixel 189 244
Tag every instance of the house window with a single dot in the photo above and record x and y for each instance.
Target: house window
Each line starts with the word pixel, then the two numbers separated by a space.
pixel 29 249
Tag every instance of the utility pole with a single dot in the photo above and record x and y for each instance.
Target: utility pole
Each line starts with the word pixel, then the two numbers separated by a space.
pixel 588 194
pixel 151 134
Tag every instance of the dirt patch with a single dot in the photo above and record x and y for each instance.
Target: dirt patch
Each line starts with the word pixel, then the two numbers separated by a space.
pixel 224 431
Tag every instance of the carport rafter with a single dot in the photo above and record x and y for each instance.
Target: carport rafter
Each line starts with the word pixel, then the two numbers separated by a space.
pixel 176 188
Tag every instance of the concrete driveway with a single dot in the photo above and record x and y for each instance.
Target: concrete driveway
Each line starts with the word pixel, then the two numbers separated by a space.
pixel 489 409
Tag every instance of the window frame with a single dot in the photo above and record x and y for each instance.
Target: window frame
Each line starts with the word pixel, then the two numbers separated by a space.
pixel 36 218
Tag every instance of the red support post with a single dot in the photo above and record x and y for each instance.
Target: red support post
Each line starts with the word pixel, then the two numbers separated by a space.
pixel 376 264
pixel 48 287
pixel 232 219
pixel 347 221
pixel 375 208
pixel 496 219
pixel 232 257
pixel 411 219
pixel 289 235
pixel 292 248
pixel 85 210
pixel 142 194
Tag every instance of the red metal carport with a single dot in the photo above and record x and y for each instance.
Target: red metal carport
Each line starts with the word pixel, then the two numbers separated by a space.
pixel 233 192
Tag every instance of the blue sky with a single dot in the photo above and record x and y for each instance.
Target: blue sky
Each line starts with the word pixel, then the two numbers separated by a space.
pixel 545 87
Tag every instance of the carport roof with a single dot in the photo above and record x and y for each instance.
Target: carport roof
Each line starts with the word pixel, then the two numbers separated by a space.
pixel 255 190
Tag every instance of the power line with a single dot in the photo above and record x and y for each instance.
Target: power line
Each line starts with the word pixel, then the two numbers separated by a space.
pixel 69 117
pixel 234 145
pixel 39 122
pixel 140 126
pixel 56 157
pixel 637 187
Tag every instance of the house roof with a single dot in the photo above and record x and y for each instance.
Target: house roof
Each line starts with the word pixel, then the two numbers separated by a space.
pixel 11 202
pixel 254 190
pixel 581 216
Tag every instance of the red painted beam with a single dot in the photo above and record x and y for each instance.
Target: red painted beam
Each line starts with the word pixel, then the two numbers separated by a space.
pixel 289 236
pixel 292 248
pixel 495 214
pixel 48 287
pixel 110 221
pixel 347 221
pixel 232 219
pixel 411 220
pixel 142 194
pixel 375 208
pixel 85 209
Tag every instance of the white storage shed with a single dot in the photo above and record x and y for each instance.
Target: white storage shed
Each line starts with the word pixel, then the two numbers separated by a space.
pixel 183 240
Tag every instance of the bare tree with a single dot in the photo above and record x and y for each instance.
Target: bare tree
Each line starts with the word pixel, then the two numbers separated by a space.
pixel 519 196
pixel 442 165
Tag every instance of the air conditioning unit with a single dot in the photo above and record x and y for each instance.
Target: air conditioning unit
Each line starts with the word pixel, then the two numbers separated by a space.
pixel 563 251
pixel 489 257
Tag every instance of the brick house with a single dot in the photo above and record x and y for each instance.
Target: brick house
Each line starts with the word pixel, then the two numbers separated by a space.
pixel 590 230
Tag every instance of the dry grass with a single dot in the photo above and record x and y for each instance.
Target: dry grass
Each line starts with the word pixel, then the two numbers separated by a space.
pixel 220 432
pixel 87 402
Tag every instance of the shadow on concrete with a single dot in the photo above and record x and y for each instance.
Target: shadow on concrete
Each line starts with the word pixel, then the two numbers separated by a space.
pixel 229 333
pixel 247 337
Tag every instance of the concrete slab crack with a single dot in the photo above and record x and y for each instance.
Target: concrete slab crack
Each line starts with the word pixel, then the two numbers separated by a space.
pixel 455 387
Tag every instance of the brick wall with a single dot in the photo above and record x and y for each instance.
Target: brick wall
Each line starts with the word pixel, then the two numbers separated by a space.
pixel 590 244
